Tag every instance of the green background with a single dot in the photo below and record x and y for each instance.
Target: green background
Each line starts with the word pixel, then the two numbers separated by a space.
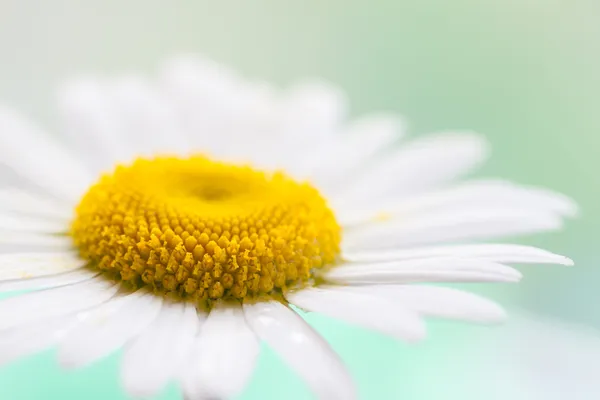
pixel 523 72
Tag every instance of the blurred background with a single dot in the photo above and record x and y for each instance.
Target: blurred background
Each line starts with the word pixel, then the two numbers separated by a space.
pixel 523 72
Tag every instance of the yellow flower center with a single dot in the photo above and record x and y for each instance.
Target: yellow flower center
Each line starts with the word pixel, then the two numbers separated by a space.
pixel 204 230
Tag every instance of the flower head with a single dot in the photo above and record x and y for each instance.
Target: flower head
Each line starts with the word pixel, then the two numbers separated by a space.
pixel 181 218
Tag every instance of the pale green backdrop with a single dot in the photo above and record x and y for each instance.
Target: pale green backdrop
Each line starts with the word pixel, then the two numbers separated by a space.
pixel 524 72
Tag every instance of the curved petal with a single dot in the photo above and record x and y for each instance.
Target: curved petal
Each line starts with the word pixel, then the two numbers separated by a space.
pixel 34 265
pixel 56 302
pixel 284 125
pixel 363 309
pixel 29 339
pixel 35 240
pixel 423 270
pixel 364 138
pixel 89 120
pixel 34 156
pixel 500 253
pixel 27 203
pixel 50 281
pixel 478 194
pixel 450 226
pixel 315 104
pixel 437 301
pixel 19 223
pixel 157 355
pixel 227 351
pixel 310 114
pixel 204 94
pixel 302 349
pixel 420 164
pixel 108 327
pixel 148 120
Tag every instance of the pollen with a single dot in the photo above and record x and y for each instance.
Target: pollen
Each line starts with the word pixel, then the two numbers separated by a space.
pixel 205 230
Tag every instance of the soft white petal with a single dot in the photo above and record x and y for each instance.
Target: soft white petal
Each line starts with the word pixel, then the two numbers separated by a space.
pixel 255 113
pixel 56 302
pixel 314 103
pixel 35 240
pixel 19 223
pixel 478 194
pixel 90 122
pixel 304 350
pixel 49 281
pixel 361 309
pixel 279 127
pixel 311 111
pixel 441 269
pixel 449 226
pixel 33 155
pixel 551 200
pixel 157 355
pixel 23 202
pixel 410 276
pixel 353 148
pixel 108 327
pixel 149 121
pixel 32 265
pixel 29 339
pixel 421 164
pixel 302 119
pixel 438 301
pixel 227 351
pixel 501 253
pixel 204 94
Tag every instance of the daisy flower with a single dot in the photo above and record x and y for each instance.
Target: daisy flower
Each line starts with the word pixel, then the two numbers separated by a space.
pixel 187 219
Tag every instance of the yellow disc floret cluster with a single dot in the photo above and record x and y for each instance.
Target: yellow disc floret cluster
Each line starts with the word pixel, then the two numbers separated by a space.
pixel 205 230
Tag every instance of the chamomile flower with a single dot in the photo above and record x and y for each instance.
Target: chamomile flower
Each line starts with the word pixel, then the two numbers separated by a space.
pixel 181 218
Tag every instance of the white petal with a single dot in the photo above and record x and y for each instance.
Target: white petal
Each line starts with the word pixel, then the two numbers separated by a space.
pixel 29 339
pixel 479 194
pixel 227 351
pixel 32 265
pixel 36 306
pixel 421 164
pixel 157 355
pixel 151 125
pixel 551 200
pixel 438 301
pixel 362 140
pixel 50 281
pixel 424 270
pixel 501 253
pixel 36 240
pixel 314 103
pixel 310 112
pixel 304 118
pixel 204 95
pixel 18 223
pixel 33 155
pixel 107 328
pixel 255 113
pixel 15 200
pixel 450 226
pixel 302 349
pixel 361 309
pixel 90 121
